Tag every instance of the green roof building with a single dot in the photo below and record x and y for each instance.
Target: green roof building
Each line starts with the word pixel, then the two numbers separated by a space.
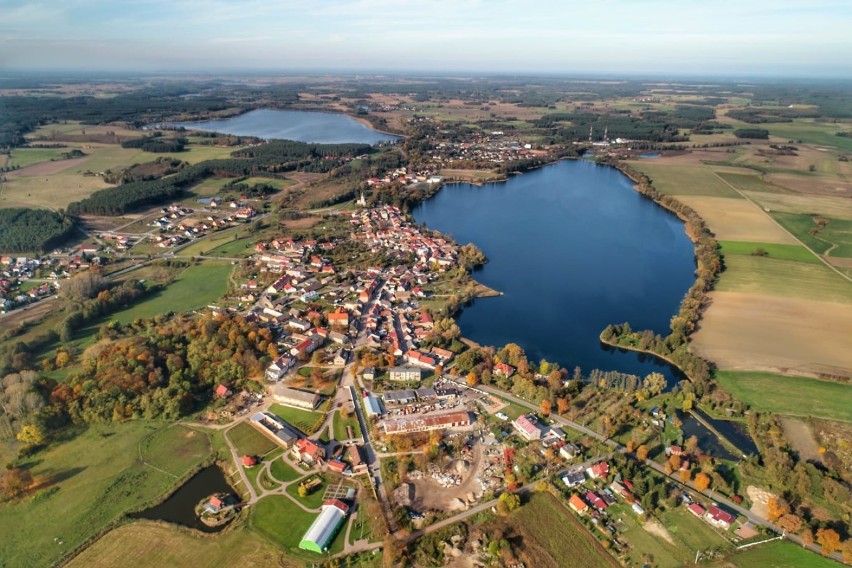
pixel 325 526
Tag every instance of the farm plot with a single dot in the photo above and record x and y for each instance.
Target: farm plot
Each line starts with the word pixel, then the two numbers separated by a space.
pixel 737 220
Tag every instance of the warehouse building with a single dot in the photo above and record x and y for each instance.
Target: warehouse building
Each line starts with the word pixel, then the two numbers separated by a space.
pixel 325 526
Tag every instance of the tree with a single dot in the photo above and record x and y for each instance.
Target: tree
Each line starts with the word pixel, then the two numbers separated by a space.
pixel 15 481
pixel 62 359
pixel 562 405
pixel 83 286
pixel 685 475
pixel 829 540
pixel 642 452
pixel 790 523
pixel 691 444
pixel 508 502
pixel 702 481
pixel 472 380
pixel 846 551
pixel 546 407
pixel 776 507
pixel 31 435
pixel 303 490
pixel 654 383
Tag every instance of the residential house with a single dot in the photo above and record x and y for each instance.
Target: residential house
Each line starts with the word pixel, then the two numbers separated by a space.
pixel 719 518
pixel 280 367
pixel 576 502
pixel 504 370
pixel 527 427
pixel 308 451
pixel 598 471
pixel 406 374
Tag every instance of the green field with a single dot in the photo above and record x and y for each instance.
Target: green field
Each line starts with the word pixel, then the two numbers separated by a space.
pixel 341 423
pixel 783 252
pixel 809 132
pixel 751 182
pixel 194 288
pixel 282 471
pixel 685 180
pixel 777 554
pixel 787 278
pixel 284 523
pixel 312 500
pixel 23 157
pixel 835 239
pixel 99 477
pixel 304 420
pixel 175 449
pixel 794 396
pixel 248 441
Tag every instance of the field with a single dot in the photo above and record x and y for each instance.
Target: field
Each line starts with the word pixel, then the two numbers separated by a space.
pixel 743 331
pixel 312 500
pixel 750 182
pixel 284 523
pixel 685 180
pixel 548 532
pixel 341 423
pixel 304 420
pixel 175 449
pixel 809 132
pixel 98 477
pixel 776 554
pixel 835 239
pixel 737 220
pixel 282 471
pixel 248 441
pixel 194 288
pixel 782 252
pixel 153 545
pixel 787 278
pixel 23 157
pixel 794 396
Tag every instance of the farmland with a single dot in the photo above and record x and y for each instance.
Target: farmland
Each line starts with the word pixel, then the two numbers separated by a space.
pixel 832 237
pixel 97 477
pixel 778 554
pixel 794 396
pixel 777 277
pixel 797 253
pixel 685 180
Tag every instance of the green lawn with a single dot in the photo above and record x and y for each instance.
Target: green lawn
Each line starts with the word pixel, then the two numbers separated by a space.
pixel 282 471
pixel 232 248
pixel 811 132
pixel 782 252
pixel 98 477
pixel 248 441
pixel 305 420
pixel 836 232
pixel 794 396
pixel 194 288
pixel 283 522
pixel 787 278
pixel 175 449
pixel 777 554
pixel 312 500
pixel 23 157
pixel 685 180
pixel 341 423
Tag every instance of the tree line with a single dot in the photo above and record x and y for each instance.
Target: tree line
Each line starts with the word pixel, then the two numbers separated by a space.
pixel 33 230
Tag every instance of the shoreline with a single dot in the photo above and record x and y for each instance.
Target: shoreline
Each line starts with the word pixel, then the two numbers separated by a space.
pixel 644 352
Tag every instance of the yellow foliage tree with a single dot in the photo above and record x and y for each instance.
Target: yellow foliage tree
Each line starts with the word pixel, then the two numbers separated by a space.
pixel 702 481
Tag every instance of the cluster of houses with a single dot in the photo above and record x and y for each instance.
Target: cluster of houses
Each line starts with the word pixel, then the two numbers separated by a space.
pixel 401 176
pixel 15 271
pixel 178 224
pixel 489 148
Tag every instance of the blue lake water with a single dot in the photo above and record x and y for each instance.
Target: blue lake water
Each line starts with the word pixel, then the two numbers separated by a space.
pixel 574 248
pixel 302 126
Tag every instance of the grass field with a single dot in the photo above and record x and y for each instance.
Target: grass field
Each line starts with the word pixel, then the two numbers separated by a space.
pixel 282 471
pixel 304 420
pixel 776 277
pixel 23 157
pixel 825 205
pixel 341 423
pixel 783 252
pixel 809 132
pixel 153 545
pixel 99 477
pixel 737 220
pixel 284 523
pixel 835 239
pixel 794 396
pixel 312 500
pixel 684 180
pixel 210 242
pixel 175 449
pixel 751 182
pixel 194 288
pixel 777 554
pixel 248 441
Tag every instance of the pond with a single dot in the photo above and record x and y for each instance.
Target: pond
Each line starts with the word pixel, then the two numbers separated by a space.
pixel 301 126
pixel 573 248
pixel 735 432
pixel 179 508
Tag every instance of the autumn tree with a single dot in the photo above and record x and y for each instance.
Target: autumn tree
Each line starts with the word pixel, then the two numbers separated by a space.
pixel 472 380
pixel 15 481
pixel 702 481
pixel 829 540
pixel 642 452
pixel 685 475
pixel 846 551
pixel 691 444
pixel 31 435
pixel 83 286
pixel 776 507
pixel 546 407
pixel 507 502
pixel 562 405
pixel 790 523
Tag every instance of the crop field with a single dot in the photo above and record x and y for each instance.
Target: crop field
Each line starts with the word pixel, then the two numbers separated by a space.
pixel 751 182
pixel 810 132
pixel 97 477
pixel 827 206
pixel 737 220
pixel 248 441
pixel 790 395
pixel 834 239
pixel 304 420
pixel 783 252
pixel 685 180
pixel 194 288
pixel 776 277
pixel 790 335
pixel 153 545
pixel 777 554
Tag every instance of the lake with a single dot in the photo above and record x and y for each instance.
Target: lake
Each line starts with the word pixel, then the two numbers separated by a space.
pixel 573 248
pixel 179 508
pixel 302 126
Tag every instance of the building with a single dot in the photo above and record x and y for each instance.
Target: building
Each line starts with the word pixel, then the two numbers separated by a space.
pixel 719 518
pixel 280 367
pixel 356 460
pixel 504 370
pixel 637 509
pixel 308 451
pixel 371 403
pixel 696 509
pixel 527 427
pixel 406 374
pixel 576 502
pixel 275 429
pixel 569 451
pixel 399 397
pixel 415 423
pixel 573 478
pixel 337 466
pixel 598 471
pixel 295 398
pixel 596 500
pixel 249 461
pixel 325 526
pixel 369 373
pixel 214 505
pixel 222 391
pixel 339 318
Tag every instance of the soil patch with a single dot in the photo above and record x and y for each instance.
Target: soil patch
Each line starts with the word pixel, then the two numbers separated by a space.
pixel 656 529
pixel 801 439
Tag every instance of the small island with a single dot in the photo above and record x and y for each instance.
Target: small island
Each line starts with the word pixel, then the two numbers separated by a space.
pixel 217 509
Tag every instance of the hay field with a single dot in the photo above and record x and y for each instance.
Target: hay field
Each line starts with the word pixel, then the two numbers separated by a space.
pixel 828 206
pixel 769 276
pixel 737 220
pixel 747 331
pixel 684 180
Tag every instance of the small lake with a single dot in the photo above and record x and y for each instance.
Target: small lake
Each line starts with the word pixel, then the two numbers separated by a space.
pixel 179 508
pixel 573 248
pixel 302 126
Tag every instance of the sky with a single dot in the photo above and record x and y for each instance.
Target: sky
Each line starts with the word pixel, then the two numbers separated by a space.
pixel 674 37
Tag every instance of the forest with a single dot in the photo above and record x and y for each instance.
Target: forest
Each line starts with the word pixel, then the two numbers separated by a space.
pixel 32 230
pixel 156 143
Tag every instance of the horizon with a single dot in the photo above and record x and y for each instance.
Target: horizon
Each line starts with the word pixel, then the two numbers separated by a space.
pixel 786 39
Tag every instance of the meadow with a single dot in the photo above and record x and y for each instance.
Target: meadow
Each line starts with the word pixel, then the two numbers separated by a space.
pixel 835 239
pixel 788 278
pixel 248 441
pixel 777 554
pixel 684 180
pixel 284 523
pixel 790 395
pixel 340 424
pixel 797 253
pixel 90 480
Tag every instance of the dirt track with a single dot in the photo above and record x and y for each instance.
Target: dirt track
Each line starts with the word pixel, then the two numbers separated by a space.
pixel 752 332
